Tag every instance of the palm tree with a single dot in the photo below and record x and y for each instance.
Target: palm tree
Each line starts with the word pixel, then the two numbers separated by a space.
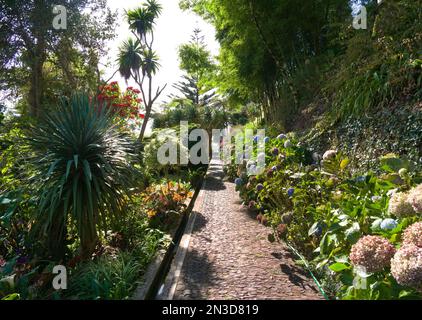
pixel 83 166
pixel 141 20
pixel 136 59
pixel 150 64
pixel 130 58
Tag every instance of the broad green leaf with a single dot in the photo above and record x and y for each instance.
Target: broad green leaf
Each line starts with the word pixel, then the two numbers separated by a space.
pixel 12 296
pixel 338 266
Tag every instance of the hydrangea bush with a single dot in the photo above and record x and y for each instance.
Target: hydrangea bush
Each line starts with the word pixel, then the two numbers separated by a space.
pixel 340 220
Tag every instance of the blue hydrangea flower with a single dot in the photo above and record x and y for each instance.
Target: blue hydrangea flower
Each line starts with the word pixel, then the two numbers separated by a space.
pixel 255 139
pixel 250 163
pixel 274 168
pixel 23 259
pixel 238 181
pixel 259 187
pixel 290 192
pixel 388 224
pixel 276 151
pixel 318 231
pixel 252 169
pixel 266 139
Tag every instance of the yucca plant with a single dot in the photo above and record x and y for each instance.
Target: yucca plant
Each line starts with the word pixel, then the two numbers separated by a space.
pixel 84 173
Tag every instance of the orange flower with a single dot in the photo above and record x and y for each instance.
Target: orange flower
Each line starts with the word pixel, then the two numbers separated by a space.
pixel 151 214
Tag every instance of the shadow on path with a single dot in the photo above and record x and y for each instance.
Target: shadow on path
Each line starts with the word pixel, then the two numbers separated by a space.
pixel 297 276
pixel 200 222
pixel 214 184
pixel 201 274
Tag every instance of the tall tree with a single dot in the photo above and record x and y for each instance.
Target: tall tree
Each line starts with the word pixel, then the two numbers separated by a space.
pixel 31 47
pixel 263 43
pixel 196 62
pixel 137 59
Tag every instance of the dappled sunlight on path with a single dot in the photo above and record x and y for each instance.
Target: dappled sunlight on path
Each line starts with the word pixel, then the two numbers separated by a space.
pixel 228 256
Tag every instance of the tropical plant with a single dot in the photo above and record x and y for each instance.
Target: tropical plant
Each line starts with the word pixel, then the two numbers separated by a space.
pixel 137 59
pixel 130 58
pixel 164 202
pixel 111 278
pixel 83 173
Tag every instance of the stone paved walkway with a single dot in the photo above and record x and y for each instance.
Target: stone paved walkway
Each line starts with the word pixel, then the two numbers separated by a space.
pixel 228 255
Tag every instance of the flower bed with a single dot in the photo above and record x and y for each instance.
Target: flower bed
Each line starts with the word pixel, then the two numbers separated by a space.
pixel 360 232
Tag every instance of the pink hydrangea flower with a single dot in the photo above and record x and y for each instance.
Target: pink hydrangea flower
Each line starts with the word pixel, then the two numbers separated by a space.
pixel 413 235
pixel 372 252
pixel 399 205
pixel 406 266
pixel 415 199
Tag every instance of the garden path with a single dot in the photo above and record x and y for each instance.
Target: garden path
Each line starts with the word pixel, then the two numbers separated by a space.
pixel 225 253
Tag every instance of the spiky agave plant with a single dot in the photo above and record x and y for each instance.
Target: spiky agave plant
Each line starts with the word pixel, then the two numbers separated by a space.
pixel 84 173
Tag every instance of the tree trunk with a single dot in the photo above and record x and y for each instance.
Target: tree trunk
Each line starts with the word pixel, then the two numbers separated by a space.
pixel 148 110
pixel 145 123
pixel 88 235
pixel 57 238
pixel 89 241
pixel 37 79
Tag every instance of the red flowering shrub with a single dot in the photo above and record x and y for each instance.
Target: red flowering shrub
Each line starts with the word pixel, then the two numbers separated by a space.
pixel 125 104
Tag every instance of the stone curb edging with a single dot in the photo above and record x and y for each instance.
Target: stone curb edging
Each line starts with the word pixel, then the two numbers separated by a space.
pixel 172 279
pixel 174 274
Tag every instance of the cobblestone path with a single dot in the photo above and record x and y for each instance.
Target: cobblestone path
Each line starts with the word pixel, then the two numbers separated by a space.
pixel 228 256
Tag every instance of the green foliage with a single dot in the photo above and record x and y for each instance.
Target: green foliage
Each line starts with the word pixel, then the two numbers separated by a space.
pixel 142 19
pixel 83 172
pixel 116 276
pixel 194 57
pixel 38 64
pixel 326 209
pixel 130 58
pixel 16 202
pixel 298 63
pixel 264 43
pixel 159 137
pixel 13 148
pixel 2 111
pixel 393 130
pixel 108 278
